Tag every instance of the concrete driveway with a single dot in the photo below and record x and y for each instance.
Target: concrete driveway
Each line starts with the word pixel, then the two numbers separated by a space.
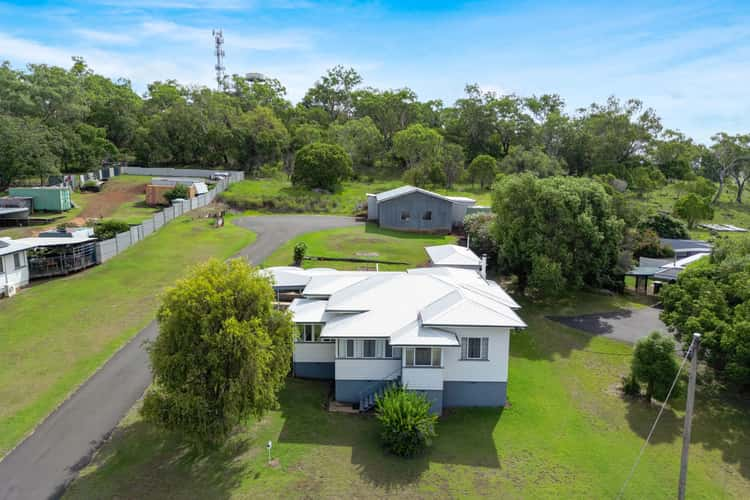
pixel 45 462
pixel 626 325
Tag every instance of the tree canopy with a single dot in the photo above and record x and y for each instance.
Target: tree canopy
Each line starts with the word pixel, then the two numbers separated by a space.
pixel 222 354
pixel 322 166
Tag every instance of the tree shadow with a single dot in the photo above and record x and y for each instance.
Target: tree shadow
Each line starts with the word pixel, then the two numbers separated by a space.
pixel 595 324
pixel 164 467
pixel 464 437
pixel 720 422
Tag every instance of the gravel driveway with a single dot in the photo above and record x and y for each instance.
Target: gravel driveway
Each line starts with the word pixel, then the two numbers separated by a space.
pixel 626 325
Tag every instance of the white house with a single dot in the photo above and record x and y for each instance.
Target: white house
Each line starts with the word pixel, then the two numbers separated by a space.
pixel 441 331
pixel 14 269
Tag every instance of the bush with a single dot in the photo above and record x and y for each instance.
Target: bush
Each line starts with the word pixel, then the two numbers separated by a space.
pixel 478 228
pixel 107 229
pixel 321 166
pixel 546 279
pixel 179 191
pixel 300 249
pixel 630 386
pixel 646 244
pixel 91 185
pixel 407 426
pixel 665 226
pixel 654 364
pixel 693 208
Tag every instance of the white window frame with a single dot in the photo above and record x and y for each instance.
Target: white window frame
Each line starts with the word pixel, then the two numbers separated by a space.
pixel 410 357
pixel 369 342
pixel 309 333
pixel 484 344
pixel 19 262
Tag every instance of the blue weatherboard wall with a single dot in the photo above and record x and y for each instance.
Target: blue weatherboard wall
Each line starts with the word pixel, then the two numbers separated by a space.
pixel 322 371
pixel 348 391
pixel 389 213
pixel 436 398
pixel 474 393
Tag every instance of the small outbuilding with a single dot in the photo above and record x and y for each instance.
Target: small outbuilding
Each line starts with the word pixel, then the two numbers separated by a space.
pixel 410 208
pixel 155 193
pixel 59 253
pixel 51 199
pixel 454 256
pixel 14 269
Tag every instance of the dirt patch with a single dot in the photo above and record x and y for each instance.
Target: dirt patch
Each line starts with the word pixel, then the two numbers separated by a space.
pixel 106 202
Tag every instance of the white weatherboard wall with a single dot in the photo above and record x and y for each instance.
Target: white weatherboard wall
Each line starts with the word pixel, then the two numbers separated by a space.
pixel 367 369
pixel 12 276
pixel 314 352
pixel 494 369
pixel 423 378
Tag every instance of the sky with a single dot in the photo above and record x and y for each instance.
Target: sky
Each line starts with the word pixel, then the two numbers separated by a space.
pixel 689 60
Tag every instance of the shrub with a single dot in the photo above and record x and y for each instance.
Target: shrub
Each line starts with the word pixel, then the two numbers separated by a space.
pixel 665 226
pixel 322 166
pixel 546 279
pixel 654 364
pixel 646 244
pixel 91 185
pixel 693 208
pixel 630 386
pixel 300 249
pixel 478 228
pixel 179 191
pixel 406 425
pixel 107 229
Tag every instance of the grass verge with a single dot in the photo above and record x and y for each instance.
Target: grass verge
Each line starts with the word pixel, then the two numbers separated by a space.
pixel 55 334
pixel 568 433
pixel 363 242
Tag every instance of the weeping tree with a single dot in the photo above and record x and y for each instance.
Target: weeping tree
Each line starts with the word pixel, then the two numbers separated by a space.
pixel 222 353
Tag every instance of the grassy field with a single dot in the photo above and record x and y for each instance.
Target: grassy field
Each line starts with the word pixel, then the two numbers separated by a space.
pixel 55 334
pixel 566 433
pixel 364 242
pixel 273 195
pixel 727 211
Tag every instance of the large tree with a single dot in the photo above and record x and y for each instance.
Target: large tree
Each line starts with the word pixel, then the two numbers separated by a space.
pixel 334 92
pixel 568 221
pixel 222 354
pixel 482 168
pixel 321 166
pixel 534 161
pixel 361 139
pixel 416 146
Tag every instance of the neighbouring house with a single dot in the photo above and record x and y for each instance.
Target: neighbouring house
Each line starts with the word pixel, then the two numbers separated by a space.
pixel 14 269
pixel 686 248
pixel 410 208
pixel 56 253
pixel 456 256
pixel 441 331
pixel 51 199
pixel 661 271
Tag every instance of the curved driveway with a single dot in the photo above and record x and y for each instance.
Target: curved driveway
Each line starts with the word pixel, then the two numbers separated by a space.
pixel 45 462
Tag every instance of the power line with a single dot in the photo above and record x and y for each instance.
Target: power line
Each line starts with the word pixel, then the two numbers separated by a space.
pixel 656 421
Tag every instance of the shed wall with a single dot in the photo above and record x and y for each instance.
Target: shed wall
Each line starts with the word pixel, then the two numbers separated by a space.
pixel 416 205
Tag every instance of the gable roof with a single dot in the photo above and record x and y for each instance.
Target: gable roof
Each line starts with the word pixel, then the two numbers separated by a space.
pixel 452 255
pixel 404 190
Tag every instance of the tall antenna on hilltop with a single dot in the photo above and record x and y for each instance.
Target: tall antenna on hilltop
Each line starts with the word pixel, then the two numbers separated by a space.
pixel 219 51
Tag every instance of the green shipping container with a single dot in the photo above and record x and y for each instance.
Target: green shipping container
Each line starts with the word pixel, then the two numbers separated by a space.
pixel 52 199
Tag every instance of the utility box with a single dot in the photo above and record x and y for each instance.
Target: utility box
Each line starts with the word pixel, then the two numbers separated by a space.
pixel 52 199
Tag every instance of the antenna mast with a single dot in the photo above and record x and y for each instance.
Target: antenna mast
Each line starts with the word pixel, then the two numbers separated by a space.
pixel 219 52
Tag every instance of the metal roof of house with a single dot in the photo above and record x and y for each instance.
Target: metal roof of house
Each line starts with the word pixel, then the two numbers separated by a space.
pixel 54 242
pixel 12 210
pixel 417 307
pixel 452 255
pixel 9 245
pixel 404 190
pixel 686 245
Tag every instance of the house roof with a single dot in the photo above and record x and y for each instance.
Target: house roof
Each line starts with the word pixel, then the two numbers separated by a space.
pixel 55 241
pixel 686 245
pixel 9 246
pixel 410 308
pixel 404 190
pixel 452 255
pixel 12 210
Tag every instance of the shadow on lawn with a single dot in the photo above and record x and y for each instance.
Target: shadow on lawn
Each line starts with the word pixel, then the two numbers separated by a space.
pixel 144 462
pixel 719 423
pixel 455 444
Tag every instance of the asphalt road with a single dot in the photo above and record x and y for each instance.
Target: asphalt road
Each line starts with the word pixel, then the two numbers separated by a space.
pixel 626 325
pixel 43 464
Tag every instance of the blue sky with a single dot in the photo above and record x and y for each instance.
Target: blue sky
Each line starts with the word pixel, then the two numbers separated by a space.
pixel 689 60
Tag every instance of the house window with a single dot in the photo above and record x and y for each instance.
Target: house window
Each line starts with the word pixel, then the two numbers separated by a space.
pixel 388 349
pixel 369 349
pixel 1 264
pixel 427 215
pixel 18 260
pixel 349 348
pixel 310 333
pixel 424 356
pixel 474 348
pixel 405 216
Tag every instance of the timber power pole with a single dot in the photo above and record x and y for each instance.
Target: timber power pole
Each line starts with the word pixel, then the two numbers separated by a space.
pixel 219 53
pixel 688 415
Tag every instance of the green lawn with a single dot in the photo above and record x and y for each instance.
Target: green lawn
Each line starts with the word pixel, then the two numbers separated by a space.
pixel 727 211
pixel 567 433
pixel 134 212
pixel 55 334
pixel 364 242
pixel 273 195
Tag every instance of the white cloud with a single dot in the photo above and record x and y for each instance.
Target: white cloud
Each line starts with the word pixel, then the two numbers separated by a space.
pixel 105 37
pixel 21 51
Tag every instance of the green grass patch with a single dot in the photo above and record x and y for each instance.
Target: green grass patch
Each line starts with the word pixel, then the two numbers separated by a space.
pixel 55 334
pixel 134 212
pixel 567 433
pixel 367 241
pixel 274 195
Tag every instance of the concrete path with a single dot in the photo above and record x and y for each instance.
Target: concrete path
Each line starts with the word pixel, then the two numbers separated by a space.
pixel 43 464
pixel 626 325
